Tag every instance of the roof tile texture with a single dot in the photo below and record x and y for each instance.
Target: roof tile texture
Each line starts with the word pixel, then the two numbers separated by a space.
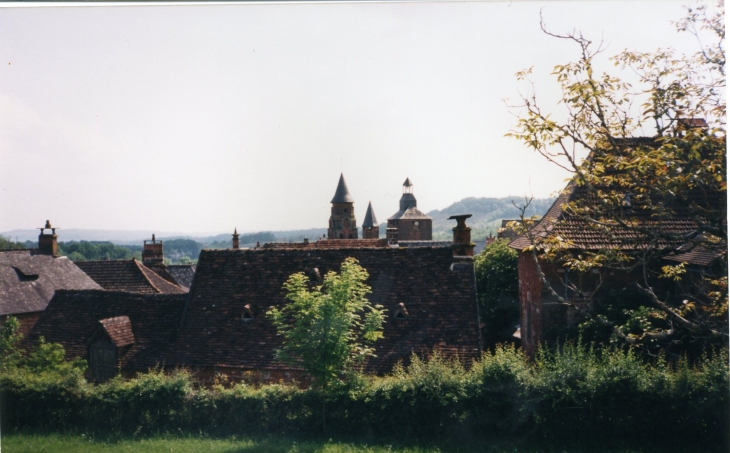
pixel 441 303
pixel 128 275
pixel 28 280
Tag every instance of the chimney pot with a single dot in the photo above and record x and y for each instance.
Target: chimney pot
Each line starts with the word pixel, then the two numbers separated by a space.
pixel 48 243
pixel 462 236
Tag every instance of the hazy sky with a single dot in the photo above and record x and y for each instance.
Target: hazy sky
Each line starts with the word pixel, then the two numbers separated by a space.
pixel 199 118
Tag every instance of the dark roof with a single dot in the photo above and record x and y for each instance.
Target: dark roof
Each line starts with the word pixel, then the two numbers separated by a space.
pixel 128 275
pixel 29 278
pixel 72 317
pixel 408 183
pixel 119 330
pixel 182 273
pixel 370 220
pixel 342 195
pixel 329 244
pixel 440 297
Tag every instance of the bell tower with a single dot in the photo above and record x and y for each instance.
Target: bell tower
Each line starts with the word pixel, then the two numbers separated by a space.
pixel 342 220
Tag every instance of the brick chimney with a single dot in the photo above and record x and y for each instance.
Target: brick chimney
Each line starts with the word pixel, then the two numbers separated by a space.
pixel 152 253
pixel 463 246
pixel 236 244
pixel 391 234
pixel 48 243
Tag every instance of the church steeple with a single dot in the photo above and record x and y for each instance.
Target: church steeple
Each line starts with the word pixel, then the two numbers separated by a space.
pixel 342 195
pixel 370 227
pixel 342 220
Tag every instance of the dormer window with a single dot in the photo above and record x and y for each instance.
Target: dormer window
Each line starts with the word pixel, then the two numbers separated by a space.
pixel 247 313
pixel 401 312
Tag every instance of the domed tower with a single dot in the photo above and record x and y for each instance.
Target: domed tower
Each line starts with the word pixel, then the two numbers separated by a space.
pixel 412 224
pixel 370 227
pixel 342 220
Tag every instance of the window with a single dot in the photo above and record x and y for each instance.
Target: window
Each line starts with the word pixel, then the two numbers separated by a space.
pixel 401 312
pixel 247 313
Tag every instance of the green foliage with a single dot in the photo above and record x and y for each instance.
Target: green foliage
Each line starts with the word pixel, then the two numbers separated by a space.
pixel 571 394
pixel 496 278
pixel 638 188
pixel 10 336
pixel 9 244
pixel 92 251
pixel 327 329
pixel 50 357
pixel 178 250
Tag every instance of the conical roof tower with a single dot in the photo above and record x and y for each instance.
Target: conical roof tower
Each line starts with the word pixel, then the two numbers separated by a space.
pixel 342 194
pixel 342 220
pixel 370 227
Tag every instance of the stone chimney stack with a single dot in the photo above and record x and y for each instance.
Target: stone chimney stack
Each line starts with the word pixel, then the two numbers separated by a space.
pixel 236 244
pixel 48 243
pixel 152 253
pixel 391 234
pixel 463 246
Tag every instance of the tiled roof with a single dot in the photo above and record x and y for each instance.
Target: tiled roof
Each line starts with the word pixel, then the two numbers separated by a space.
pixel 329 244
pixel 128 275
pixel 700 255
pixel 182 274
pixel 28 280
pixel 119 330
pixel 669 231
pixel 72 317
pixel 439 296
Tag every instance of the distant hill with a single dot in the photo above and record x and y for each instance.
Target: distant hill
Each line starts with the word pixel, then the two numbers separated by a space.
pixel 487 214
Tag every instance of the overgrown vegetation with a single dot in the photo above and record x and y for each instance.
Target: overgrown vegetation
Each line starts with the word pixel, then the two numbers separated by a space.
pixel 496 278
pixel 637 191
pixel 571 395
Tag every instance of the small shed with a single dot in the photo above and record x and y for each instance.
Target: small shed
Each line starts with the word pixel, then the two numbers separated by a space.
pixel 112 338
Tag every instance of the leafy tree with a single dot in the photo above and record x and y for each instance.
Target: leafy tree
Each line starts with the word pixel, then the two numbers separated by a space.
pixel 8 244
pixel 51 357
pixel 327 329
pixel 683 167
pixel 9 337
pixel 496 277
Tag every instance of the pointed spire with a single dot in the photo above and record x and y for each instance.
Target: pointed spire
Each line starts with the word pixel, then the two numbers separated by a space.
pixel 370 220
pixel 342 195
pixel 408 182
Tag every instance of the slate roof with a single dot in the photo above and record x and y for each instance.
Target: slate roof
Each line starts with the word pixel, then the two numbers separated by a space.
pixel 439 296
pixel 370 220
pixel 128 275
pixel 29 278
pixel 670 230
pixel 342 194
pixel 119 330
pixel 410 213
pixel 182 274
pixel 72 317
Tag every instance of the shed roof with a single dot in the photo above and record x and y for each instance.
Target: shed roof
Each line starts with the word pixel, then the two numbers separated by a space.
pixel 29 278
pixel 119 330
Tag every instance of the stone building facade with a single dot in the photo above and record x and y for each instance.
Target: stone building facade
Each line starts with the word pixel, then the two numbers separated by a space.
pixel 343 224
pixel 409 222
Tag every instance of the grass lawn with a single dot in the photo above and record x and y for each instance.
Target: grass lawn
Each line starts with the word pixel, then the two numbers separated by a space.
pixel 60 443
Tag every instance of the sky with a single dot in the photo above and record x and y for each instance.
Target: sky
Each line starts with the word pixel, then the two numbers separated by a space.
pixel 202 118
